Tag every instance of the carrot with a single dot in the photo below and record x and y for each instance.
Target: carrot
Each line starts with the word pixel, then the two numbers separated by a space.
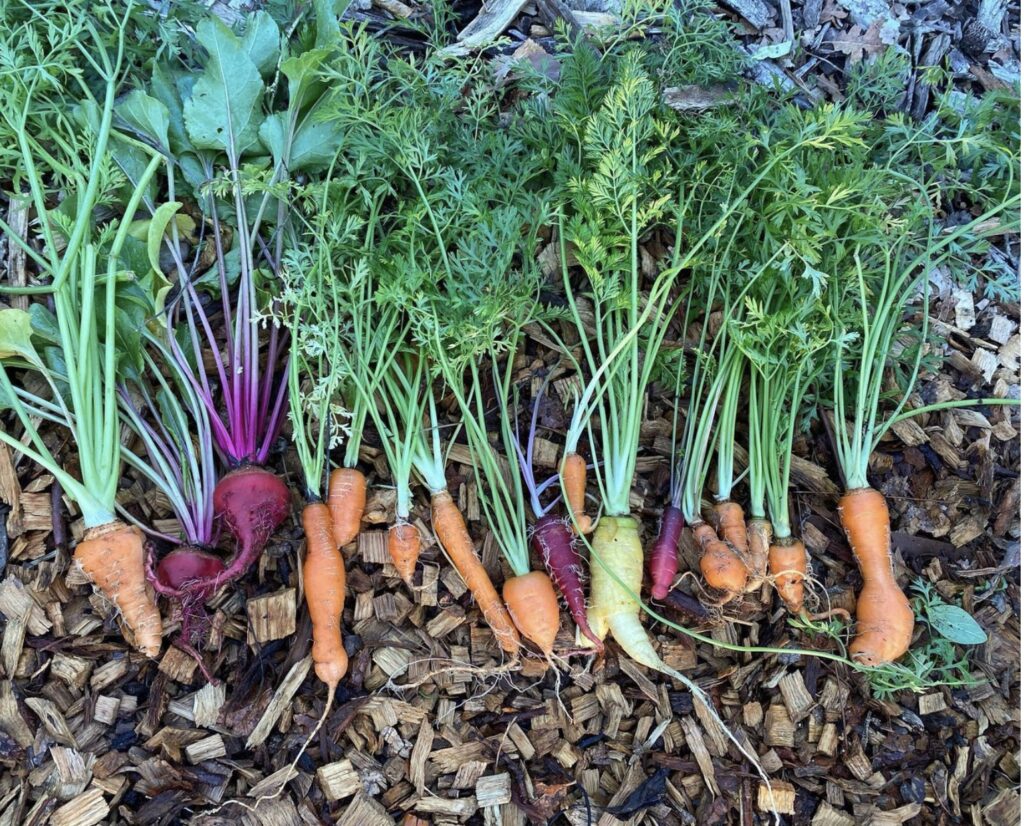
pixel 731 526
pixel 323 577
pixel 885 620
pixel 404 548
pixel 553 542
pixel 533 605
pixel 787 560
pixel 574 481
pixel 111 555
pixel 663 562
pixel 721 567
pixel 759 540
pixel 346 500
pixel 451 531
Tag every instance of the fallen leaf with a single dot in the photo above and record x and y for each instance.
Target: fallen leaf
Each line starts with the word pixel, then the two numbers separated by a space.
pixel 859 42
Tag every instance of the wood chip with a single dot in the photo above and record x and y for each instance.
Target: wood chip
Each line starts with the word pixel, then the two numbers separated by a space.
pixel 86 809
pixel 931 703
pixel 778 727
pixel 209 748
pixel 782 795
pixel 271 617
pixel 338 780
pixel 796 697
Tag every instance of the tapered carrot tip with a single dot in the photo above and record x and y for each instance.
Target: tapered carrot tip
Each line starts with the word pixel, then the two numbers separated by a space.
pixel 404 549
pixel 113 558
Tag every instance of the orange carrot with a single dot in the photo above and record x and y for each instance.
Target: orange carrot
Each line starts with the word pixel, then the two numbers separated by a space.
pixel 112 557
pixel 346 499
pixel 574 480
pixel 759 540
pixel 885 620
pixel 721 568
pixel 787 560
pixel 731 526
pixel 451 531
pixel 533 604
pixel 404 547
pixel 323 577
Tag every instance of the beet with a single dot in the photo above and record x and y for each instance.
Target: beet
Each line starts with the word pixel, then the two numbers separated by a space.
pixel 663 560
pixel 251 502
pixel 185 565
pixel 554 542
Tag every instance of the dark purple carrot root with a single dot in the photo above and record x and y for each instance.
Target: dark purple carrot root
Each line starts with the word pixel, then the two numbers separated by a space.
pixel 554 543
pixel 663 560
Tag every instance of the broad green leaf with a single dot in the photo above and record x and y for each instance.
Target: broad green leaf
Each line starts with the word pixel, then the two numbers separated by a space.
pixel 304 84
pixel 327 14
pixel 956 625
pixel 16 335
pixel 165 90
pixel 155 232
pixel 44 323
pixel 262 42
pixel 147 116
pixel 221 112
pixel 312 147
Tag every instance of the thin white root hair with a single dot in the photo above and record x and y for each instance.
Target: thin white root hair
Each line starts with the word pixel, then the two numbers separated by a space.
pixel 291 767
pixel 705 701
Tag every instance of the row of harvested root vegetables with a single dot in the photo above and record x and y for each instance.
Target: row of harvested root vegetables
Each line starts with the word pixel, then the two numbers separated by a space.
pixel 396 295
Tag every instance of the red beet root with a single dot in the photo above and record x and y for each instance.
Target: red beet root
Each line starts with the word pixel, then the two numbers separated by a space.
pixel 187 566
pixel 663 561
pixel 555 544
pixel 251 502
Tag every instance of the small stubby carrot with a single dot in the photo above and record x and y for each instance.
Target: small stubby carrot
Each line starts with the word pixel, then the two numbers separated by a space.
pixel 533 606
pixel 451 531
pixel 404 548
pixel 113 557
pixel 759 540
pixel 346 500
pixel 719 564
pixel 885 620
pixel 787 561
pixel 323 578
pixel 574 480
pixel 731 525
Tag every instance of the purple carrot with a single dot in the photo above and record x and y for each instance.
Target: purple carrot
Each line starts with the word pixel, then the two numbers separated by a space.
pixel 554 542
pixel 553 539
pixel 663 560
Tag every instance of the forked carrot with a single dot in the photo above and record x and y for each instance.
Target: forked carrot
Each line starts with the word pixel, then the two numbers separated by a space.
pixel 885 620
pixel 451 531
pixel 533 605
pixel 112 556
pixel 404 548
pixel 574 480
pixel 721 567
pixel 731 526
pixel 346 499
pixel 787 561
